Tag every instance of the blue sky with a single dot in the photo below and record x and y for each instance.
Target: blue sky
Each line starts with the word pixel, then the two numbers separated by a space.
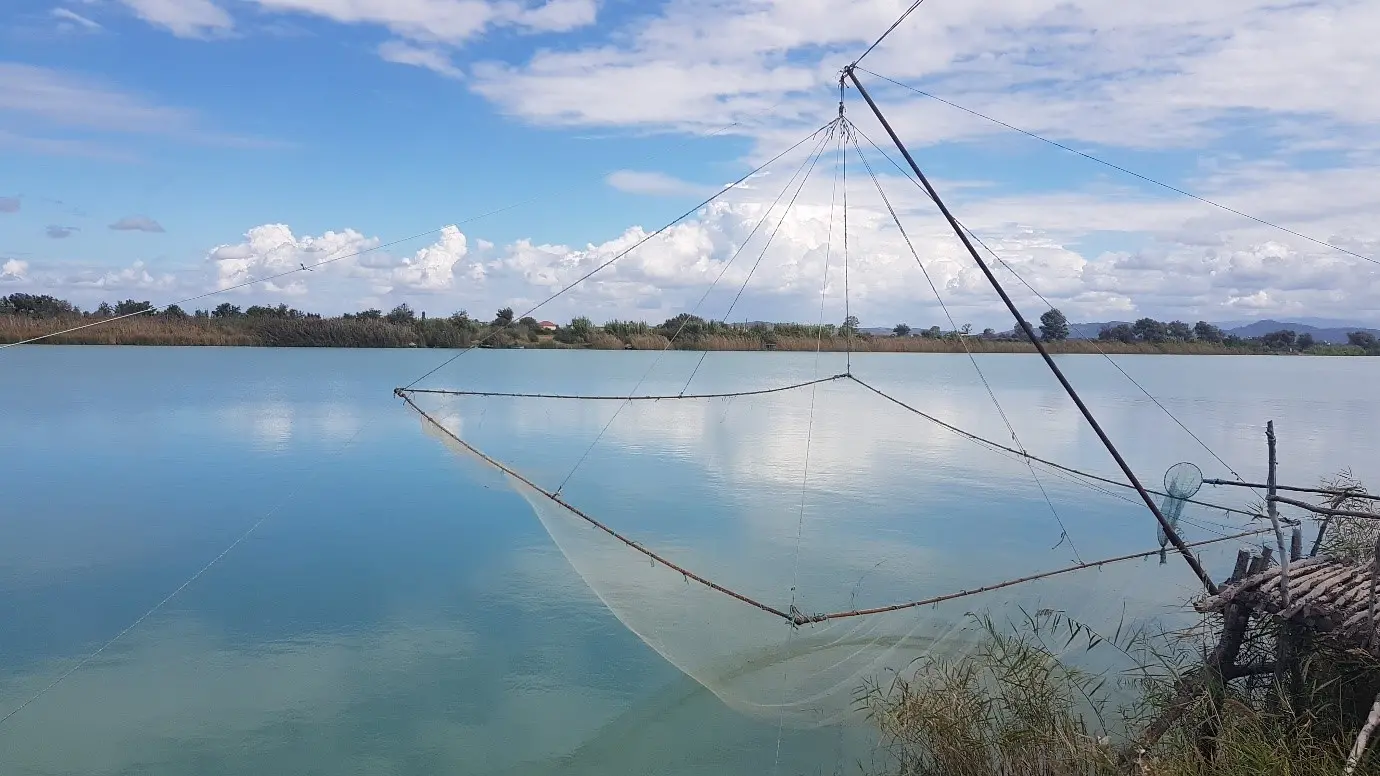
pixel 204 120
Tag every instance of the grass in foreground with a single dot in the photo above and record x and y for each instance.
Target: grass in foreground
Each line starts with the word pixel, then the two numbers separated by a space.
pixel 1011 708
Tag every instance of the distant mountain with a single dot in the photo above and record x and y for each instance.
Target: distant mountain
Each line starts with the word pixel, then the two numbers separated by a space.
pixel 1331 334
pixel 1334 331
pixel 1090 330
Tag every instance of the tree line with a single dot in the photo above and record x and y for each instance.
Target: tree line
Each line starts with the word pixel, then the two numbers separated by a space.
pixel 26 315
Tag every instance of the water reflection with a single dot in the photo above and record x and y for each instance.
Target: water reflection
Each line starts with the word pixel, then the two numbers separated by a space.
pixel 406 614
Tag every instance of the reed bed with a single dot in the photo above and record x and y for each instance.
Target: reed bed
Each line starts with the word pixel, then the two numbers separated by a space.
pixel 1011 708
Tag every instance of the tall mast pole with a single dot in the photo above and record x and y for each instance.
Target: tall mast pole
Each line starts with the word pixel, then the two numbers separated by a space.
pixel 1023 325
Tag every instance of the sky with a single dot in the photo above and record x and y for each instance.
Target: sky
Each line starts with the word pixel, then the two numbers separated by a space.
pixel 478 154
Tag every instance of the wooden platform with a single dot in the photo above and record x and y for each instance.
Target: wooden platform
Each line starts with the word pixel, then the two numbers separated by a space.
pixel 1325 596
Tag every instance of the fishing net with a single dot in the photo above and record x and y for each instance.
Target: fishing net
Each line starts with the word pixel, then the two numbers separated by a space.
pixel 829 556
pixel 1182 482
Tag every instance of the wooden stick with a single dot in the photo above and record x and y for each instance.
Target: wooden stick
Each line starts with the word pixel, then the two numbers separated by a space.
pixel 1273 511
pixel 1317 510
pixel 1359 748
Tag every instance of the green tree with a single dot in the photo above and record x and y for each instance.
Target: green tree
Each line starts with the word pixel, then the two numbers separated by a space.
pixel 1364 340
pixel 131 307
pixel 402 314
pixel 1054 327
pixel 1305 341
pixel 174 312
pixel 850 326
pixel 1119 333
pixel 1284 339
pixel 1150 330
pixel 35 306
pixel 504 317
pixel 226 310
pixel 1206 332
pixel 581 329
pixel 1180 331
pixel 901 330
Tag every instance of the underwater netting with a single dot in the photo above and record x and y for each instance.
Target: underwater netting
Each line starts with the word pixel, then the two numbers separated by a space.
pixel 689 522
pixel 786 531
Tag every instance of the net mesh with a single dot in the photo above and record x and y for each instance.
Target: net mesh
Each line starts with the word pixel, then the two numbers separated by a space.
pixel 757 541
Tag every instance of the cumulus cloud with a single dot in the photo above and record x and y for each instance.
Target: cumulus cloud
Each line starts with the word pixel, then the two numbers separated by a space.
pixel 1117 253
pixel 57 232
pixel 9 204
pixel 14 269
pixel 137 224
pixel 339 263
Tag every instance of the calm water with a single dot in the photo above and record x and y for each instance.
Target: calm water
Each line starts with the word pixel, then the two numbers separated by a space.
pixel 398 611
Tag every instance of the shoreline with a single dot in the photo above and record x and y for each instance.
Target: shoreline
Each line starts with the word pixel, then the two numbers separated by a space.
pixel 450 335
pixel 998 347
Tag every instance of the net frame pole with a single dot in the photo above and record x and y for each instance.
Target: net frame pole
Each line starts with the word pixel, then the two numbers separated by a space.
pixel 1178 542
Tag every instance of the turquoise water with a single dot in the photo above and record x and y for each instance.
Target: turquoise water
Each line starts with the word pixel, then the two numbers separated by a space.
pixel 398 611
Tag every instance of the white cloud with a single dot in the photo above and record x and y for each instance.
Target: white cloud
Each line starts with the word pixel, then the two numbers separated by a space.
pixel 341 264
pixel 9 204
pixel 137 224
pixel 432 268
pixel 1112 254
pixel 14 269
pixel 72 17
pixel 73 101
pixel 450 22
pixel 58 232
pixel 1150 75
pixel 655 183
pixel 433 59
pixel 183 18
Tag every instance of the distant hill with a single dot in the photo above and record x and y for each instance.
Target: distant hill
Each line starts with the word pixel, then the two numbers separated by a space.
pixel 1335 333
pixel 1090 330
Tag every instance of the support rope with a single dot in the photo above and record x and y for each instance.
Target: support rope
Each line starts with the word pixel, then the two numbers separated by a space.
pixel 308 268
pixel 907 175
pixel 1118 168
pixel 794 617
pixel 592 521
pixel 1022 580
pixel 625 252
pixel 811 161
pixel 1063 530
pixel 805 474
pixel 615 397
pixel 761 255
pixel 997 445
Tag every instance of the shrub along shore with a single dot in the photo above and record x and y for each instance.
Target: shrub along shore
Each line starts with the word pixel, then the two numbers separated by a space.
pixel 24 317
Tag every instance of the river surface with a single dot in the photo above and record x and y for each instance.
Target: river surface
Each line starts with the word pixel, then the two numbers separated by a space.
pixel 397 610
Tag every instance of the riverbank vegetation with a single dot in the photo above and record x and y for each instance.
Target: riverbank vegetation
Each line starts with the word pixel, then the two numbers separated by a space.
pixel 25 316
pixel 1293 702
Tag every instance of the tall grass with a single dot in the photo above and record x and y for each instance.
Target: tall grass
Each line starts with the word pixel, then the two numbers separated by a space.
pixel 1010 707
